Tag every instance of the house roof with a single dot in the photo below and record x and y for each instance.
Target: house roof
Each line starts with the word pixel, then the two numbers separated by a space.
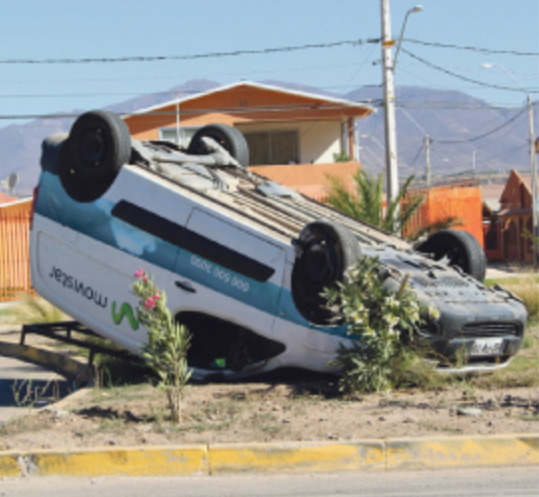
pixel 6 199
pixel 310 101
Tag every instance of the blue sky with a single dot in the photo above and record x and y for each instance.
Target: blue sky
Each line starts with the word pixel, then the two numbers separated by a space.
pixel 35 29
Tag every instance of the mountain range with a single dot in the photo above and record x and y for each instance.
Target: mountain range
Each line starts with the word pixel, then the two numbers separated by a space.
pixel 457 125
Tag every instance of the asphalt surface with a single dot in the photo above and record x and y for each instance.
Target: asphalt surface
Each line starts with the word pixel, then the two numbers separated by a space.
pixel 511 482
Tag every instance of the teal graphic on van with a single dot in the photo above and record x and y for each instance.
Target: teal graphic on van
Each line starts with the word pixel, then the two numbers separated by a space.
pixel 125 311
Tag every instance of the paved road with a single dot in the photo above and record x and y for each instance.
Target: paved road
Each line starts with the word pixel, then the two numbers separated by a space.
pixel 510 482
pixel 14 371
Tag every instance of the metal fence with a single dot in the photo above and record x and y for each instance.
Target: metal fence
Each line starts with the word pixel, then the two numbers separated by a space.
pixel 14 256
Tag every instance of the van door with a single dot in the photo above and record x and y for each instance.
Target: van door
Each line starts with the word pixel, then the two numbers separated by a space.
pixel 229 271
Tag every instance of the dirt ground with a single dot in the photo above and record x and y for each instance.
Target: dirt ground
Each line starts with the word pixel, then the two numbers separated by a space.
pixel 262 412
pixel 294 407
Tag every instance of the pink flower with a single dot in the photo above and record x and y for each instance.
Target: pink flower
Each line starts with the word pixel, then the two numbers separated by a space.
pixel 156 296
pixel 139 273
pixel 149 304
pixel 145 279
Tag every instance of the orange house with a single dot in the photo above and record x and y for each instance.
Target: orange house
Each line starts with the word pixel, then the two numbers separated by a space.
pixel 505 231
pixel 292 135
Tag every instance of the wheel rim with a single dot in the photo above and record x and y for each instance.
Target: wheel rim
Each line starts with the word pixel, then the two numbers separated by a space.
pixel 319 260
pixel 93 147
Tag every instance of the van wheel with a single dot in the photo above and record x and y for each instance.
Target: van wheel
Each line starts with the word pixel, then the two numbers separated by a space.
pixel 461 248
pixel 99 144
pixel 228 137
pixel 327 249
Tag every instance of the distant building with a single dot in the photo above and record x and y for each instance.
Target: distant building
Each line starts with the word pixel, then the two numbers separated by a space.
pixel 292 135
pixel 506 221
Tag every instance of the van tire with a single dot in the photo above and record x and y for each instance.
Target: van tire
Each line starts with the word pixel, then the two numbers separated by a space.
pixel 327 250
pixel 78 189
pixel 228 137
pixel 462 249
pixel 99 145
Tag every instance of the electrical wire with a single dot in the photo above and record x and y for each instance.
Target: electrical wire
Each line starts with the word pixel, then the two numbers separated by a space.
pixel 459 76
pixel 475 49
pixel 154 58
pixel 422 146
pixel 492 131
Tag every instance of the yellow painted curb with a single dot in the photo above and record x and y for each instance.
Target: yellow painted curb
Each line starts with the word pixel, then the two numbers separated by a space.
pixel 395 454
pixel 462 451
pixel 9 465
pixel 187 460
pixel 299 457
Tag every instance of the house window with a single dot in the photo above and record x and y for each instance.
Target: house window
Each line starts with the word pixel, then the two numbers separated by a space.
pixel 171 134
pixel 273 147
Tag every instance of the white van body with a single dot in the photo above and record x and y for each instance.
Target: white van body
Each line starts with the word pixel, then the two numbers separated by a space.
pixel 225 250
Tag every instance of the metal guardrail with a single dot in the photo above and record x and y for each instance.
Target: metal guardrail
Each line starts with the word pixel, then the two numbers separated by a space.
pixel 63 332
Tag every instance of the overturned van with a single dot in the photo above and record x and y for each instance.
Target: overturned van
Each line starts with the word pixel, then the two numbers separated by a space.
pixel 243 260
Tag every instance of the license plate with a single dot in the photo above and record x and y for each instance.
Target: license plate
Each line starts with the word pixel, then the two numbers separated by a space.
pixel 487 346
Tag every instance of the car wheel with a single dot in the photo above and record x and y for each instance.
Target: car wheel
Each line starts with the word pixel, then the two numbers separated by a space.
pixel 461 248
pixel 99 144
pixel 228 137
pixel 327 249
pixel 77 188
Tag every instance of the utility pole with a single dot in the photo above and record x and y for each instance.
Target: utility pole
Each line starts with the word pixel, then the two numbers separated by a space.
pixel 392 175
pixel 533 158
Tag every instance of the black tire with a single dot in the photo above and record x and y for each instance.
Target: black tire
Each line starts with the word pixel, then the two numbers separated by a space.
pixel 78 189
pixel 228 137
pixel 327 250
pixel 99 145
pixel 462 249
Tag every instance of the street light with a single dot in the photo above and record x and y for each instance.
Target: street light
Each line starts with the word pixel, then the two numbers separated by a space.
pixel 533 160
pixel 417 8
pixel 389 97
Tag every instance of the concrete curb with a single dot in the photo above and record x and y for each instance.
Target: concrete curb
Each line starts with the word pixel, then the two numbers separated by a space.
pixel 49 358
pixel 383 455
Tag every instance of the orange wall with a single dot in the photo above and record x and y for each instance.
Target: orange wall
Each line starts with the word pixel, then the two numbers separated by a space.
pixel 309 179
pixel 463 203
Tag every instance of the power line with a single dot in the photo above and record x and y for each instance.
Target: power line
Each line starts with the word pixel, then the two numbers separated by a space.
pixel 459 76
pixel 417 155
pixel 154 58
pixel 475 49
pixel 492 131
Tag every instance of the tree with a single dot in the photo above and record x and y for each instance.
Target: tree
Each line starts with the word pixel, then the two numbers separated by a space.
pixel 367 202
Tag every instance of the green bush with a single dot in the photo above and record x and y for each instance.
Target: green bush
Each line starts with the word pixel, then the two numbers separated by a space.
pixel 381 324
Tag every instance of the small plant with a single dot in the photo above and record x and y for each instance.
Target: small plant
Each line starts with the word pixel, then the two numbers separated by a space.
pixel 341 157
pixel 168 342
pixel 380 322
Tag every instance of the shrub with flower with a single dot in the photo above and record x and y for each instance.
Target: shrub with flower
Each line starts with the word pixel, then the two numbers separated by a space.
pixel 168 342
pixel 380 323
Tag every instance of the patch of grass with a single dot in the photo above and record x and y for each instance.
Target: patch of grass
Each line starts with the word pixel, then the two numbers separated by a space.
pixel 525 287
pixel 530 417
pixel 125 393
pixel 435 427
pixel 114 425
pixel 34 309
